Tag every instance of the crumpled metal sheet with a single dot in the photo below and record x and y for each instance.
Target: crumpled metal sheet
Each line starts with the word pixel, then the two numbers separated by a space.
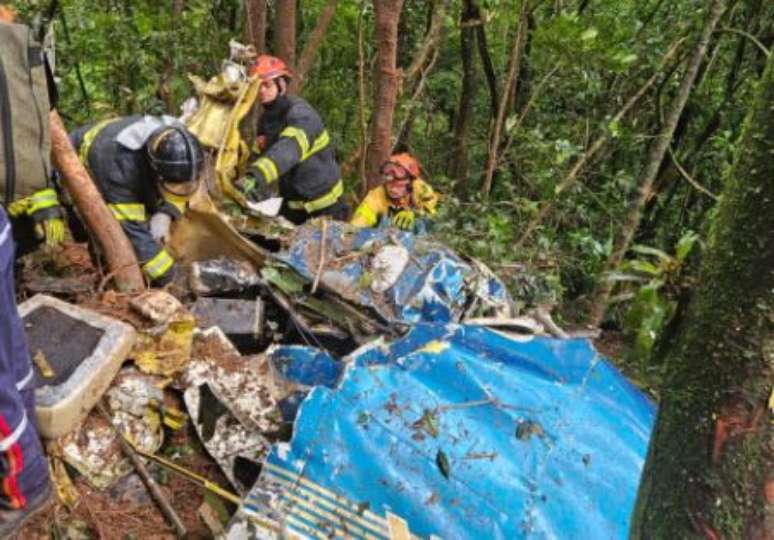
pixel 166 349
pixel 305 366
pixel 233 403
pixel 460 432
pixel 402 276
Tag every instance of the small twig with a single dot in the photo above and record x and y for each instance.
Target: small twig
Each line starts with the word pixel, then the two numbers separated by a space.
pixel 689 178
pixel 481 455
pixel 749 36
pixel 468 404
pixel 321 264
pixel 150 483
pixel 104 281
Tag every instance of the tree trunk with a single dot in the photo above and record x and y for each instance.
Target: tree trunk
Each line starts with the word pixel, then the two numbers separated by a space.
pixel 255 24
pixel 459 164
pixel 164 91
pixel 711 465
pixel 387 14
pixel 313 44
pixel 285 31
pixel 361 98
pixel 486 62
pixel 118 252
pixel 658 151
pixel 430 43
pixel 502 109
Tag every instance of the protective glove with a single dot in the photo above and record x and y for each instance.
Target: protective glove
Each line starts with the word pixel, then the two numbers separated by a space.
pixel 51 230
pixel 254 189
pixel 404 219
pixel 159 226
pixel 44 210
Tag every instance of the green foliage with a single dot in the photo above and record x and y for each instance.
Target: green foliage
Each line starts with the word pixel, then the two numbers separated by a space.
pixel 578 69
pixel 648 286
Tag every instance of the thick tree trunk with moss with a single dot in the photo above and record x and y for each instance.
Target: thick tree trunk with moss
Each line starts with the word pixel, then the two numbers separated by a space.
pixel 711 466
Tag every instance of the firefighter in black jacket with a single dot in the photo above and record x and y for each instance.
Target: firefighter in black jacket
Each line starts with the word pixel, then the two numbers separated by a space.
pixel 146 168
pixel 293 150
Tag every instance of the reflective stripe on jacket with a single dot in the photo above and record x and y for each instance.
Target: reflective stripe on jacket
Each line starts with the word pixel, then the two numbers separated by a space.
pixel 128 184
pixel 299 155
pixel 377 206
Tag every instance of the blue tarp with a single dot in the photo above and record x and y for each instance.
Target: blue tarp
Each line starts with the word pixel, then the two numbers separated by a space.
pixel 460 432
pixel 436 285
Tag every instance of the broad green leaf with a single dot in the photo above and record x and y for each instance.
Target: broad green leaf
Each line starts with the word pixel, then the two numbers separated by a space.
pixel 622 277
pixel 589 34
pixel 647 250
pixel 510 123
pixel 685 245
pixel 643 267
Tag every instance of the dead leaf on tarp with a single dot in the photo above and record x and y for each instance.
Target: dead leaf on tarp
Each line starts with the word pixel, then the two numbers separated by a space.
pixel 527 428
pixel 428 423
pixel 443 463
pixel 168 352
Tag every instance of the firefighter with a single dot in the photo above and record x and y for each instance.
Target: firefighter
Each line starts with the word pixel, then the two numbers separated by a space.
pixel 293 152
pixel 403 199
pixel 27 93
pixel 146 168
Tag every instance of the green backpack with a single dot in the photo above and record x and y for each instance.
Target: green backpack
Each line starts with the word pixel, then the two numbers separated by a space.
pixel 25 145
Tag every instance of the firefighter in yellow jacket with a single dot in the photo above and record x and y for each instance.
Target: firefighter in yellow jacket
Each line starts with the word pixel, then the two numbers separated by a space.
pixel 403 200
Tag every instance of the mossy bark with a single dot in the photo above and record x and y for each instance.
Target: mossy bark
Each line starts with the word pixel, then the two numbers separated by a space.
pixel 711 463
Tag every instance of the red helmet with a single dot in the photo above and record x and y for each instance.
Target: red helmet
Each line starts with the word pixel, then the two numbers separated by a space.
pixel 406 162
pixel 269 67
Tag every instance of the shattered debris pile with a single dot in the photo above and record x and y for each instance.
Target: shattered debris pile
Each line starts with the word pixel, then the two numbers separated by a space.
pixel 356 383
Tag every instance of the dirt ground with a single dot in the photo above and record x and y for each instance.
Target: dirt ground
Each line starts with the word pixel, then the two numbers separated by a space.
pixel 109 515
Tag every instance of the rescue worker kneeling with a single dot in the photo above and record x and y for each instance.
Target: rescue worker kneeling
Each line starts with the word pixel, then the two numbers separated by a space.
pixel 146 169
pixel 293 152
pixel 403 200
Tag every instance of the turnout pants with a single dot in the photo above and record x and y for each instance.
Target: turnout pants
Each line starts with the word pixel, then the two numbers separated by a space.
pixel 23 467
